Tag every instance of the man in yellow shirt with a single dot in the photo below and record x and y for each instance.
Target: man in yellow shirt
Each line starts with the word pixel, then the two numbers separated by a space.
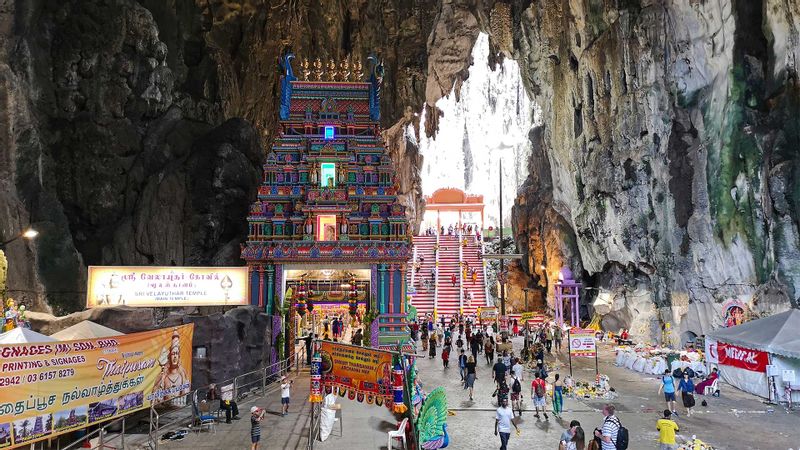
pixel 666 428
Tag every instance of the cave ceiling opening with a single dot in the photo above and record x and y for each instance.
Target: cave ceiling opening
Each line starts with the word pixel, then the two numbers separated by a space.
pixel 486 120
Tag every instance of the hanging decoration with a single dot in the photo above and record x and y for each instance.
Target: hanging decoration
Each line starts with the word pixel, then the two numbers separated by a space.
pixel 316 377
pixel 397 387
pixel 310 301
pixel 353 300
pixel 300 298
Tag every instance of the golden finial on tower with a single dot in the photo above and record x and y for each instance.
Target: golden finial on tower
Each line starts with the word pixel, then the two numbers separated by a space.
pixel 344 70
pixel 305 68
pixel 332 70
pixel 318 69
pixel 357 67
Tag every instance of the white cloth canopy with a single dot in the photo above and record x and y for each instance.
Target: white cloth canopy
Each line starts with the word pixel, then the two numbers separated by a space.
pixel 21 335
pixel 84 330
pixel 775 334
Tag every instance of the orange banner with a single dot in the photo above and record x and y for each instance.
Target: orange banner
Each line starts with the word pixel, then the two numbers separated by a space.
pixel 51 388
pixel 364 372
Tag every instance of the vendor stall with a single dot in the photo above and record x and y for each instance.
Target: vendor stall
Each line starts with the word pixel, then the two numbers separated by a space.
pixel 744 352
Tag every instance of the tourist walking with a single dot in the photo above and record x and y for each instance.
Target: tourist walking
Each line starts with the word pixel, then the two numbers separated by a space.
pixel 445 355
pixel 609 430
pixel 557 335
pixel 538 395
pixel 516 394
pixel 558 396
pixel 488 350
pixel 424 338
pixel 518 370
pixel 668 386
pixel 469 382
pixel 548 343
pixel 499 371
pixel 686 386
pixel 474 345
pixel 256 416
pixel 503 420
pixel 453 280
pixel 286 392
pixel 462 364
pixel 432 346
pixel 666 428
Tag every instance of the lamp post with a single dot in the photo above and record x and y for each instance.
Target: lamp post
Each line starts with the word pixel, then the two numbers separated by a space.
pixel 29 233
pixel 526 297
pixel 502 285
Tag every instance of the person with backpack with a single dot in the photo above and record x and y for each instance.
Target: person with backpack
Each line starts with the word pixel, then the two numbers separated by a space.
pixel 516 391
pixel 668 386
pixel 499 370
pixel 538 395
pixel 612 435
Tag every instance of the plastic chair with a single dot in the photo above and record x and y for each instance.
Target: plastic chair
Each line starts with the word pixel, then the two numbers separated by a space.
pixel 400 433
pixel 712 388
pixel 206 419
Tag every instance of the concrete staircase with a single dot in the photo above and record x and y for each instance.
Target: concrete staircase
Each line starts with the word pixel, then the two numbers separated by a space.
pixel 421 281
pixel 448 296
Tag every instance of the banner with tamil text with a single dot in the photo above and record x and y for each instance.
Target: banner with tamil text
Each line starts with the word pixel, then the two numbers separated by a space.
pixel 50 388
pixel 364 373
pixel 166 286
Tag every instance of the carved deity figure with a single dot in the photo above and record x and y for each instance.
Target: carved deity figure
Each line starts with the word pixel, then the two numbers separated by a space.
pixel 318 69
pixel 358 75
pixel 306 68
pixel 344 70
pixel 332 72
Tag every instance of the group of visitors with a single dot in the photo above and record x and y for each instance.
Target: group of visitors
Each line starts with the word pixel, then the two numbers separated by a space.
pixel 458 229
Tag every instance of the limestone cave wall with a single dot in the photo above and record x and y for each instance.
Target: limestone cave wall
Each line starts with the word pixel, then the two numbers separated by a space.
pixel 131 132
pixel 664 172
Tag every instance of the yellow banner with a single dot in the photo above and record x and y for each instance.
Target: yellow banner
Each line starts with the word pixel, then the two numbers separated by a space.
pixel 51 388
pixel 166 286
pixel 360 370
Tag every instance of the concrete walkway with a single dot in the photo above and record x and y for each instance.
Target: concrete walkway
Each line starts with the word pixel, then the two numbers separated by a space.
pixel 736 420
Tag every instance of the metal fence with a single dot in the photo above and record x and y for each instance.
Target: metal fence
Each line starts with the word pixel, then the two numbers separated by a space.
pixel 246 385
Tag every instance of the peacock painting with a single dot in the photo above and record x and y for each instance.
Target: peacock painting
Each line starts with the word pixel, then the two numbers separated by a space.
pixel 432 420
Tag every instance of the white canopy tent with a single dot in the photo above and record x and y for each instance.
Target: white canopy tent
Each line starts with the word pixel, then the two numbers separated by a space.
pixel 21 335
pixel 84 330
pixel 776 335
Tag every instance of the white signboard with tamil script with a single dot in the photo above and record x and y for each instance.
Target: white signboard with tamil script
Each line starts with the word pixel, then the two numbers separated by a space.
pixel 166 286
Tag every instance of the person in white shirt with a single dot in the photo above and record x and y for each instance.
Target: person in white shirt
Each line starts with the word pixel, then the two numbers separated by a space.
pixel 328 414
pixel 503 419
pixel 286 387
pixel 518 370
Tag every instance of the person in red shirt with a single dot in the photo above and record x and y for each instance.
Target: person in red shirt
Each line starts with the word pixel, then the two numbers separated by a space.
pixel 453 279
pixel 538 395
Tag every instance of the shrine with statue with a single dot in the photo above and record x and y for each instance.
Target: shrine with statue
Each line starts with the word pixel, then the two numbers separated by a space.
pixel 327 235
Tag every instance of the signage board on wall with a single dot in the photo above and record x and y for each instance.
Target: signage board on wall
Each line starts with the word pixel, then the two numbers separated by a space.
pixel 51 388
pixel 166 286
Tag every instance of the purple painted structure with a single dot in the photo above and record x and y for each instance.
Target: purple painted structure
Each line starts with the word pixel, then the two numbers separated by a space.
pixel 567 289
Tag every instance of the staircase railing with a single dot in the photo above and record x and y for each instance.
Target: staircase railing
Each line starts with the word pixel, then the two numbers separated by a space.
pixel 485 280
pixel 462 269
pixel 413 264
pixel 436 278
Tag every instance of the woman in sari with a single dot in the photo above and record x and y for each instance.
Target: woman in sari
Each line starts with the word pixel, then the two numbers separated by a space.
pixel 700 388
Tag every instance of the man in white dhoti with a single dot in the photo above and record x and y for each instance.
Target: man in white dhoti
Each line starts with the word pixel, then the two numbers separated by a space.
pixel 328 415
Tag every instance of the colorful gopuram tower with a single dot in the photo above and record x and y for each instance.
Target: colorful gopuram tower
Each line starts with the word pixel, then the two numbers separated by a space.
pixel 327 212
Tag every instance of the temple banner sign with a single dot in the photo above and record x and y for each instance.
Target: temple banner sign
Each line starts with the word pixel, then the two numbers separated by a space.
pixel 166 286
pixel 51 388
